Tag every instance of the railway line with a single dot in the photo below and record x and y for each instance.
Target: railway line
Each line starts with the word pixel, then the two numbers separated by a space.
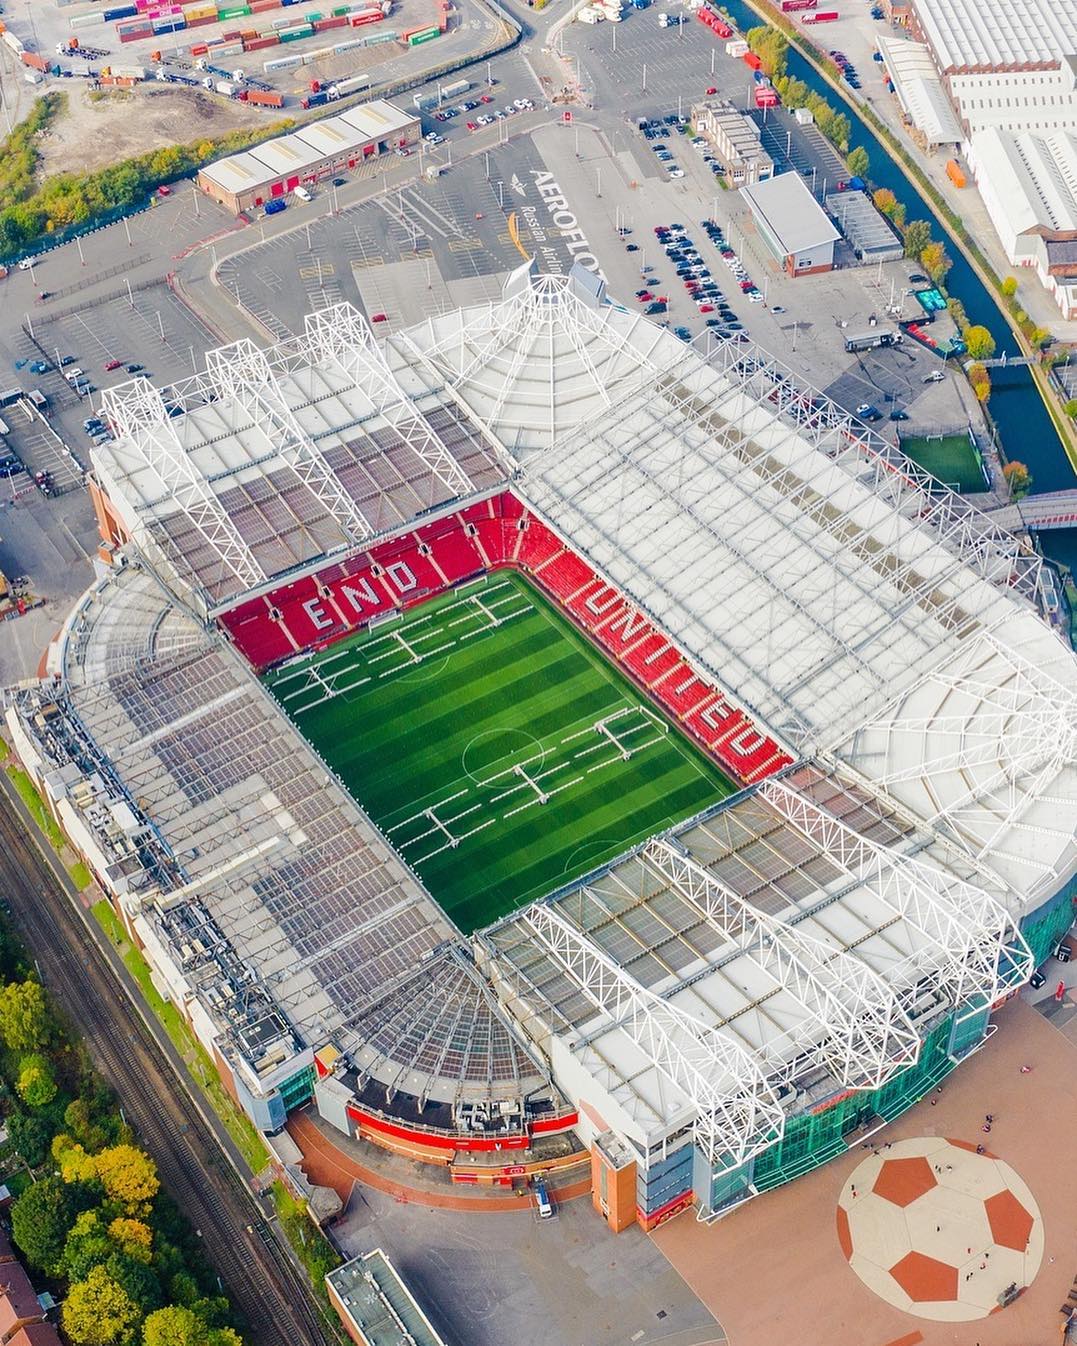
pixel 267 1288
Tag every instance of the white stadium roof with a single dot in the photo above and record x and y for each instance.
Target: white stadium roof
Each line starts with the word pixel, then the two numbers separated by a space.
pixel 874 622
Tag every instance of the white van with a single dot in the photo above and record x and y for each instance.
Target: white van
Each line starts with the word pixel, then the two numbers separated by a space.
pixel 542 1200
pixel 303 194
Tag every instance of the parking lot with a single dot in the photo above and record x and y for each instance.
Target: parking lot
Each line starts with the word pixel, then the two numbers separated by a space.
pixel 488 1280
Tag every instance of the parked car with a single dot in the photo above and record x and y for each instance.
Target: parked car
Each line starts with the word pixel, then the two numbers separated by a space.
pixel 110 365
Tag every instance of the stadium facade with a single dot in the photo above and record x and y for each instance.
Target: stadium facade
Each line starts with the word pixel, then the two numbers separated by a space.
pixel 729 1004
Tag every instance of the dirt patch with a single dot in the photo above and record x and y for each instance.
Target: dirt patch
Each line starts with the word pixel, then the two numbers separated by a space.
pixel 100 131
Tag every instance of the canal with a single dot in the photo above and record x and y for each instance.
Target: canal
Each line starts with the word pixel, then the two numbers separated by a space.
pixel 1025 429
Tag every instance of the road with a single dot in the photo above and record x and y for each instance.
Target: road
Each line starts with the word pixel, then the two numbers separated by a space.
pixel 265 1287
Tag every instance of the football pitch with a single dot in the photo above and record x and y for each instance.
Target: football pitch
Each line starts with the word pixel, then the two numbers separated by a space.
pixel 494 746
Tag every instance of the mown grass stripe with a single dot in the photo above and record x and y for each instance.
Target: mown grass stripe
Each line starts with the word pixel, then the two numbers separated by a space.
pixel 403 742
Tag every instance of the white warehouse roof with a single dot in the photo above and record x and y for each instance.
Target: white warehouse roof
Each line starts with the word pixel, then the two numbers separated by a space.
pixel 1006 34
pixel 794 218
pixel 920 90
pixel 1031 178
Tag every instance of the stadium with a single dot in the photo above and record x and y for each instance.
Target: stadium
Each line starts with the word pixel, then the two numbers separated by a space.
pixel 532 734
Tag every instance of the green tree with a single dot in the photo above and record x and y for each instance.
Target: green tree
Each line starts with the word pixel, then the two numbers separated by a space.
pixel 29 1133
pixel 128 1175
pixel 138 1280
pixel 917 237
pixel 858 161
pixel 1038 336
pixel 25 1022
pixel 1071 408
pixel 99 1312
pixel 36 1084
pixel 41 1218
pixel 771 46
pixel 1009 287
pixel 980 342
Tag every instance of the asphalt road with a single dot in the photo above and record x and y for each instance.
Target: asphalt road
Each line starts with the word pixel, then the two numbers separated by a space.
pixel 265 1286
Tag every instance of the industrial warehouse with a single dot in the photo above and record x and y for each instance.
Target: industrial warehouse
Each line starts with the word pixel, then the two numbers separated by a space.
pixel 265 172
pixel 720 1005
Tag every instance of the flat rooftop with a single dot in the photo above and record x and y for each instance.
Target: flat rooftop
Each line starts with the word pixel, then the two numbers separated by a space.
pixel 785 205
pixel 379 1304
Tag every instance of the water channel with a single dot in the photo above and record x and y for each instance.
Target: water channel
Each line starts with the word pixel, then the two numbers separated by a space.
pixel 1024 426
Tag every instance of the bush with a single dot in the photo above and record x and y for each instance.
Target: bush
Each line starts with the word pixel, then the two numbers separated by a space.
pixel 1009 287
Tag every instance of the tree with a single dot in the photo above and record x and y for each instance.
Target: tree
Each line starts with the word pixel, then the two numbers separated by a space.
pixel 36 1085
pixel 128 1175
pixel 935 262
pixel 178 1326
pixel 1071 408
pixel 99 1312
pixel 40 1220
pixel 980 342
pixel 1018 478
pixel 917 237
pixel 885 201
pixel 980 380
pixel 133 1237
pixel 770 46
pixel 25 1022
pixel 1009 287
pixel 137 1280
pixel 75 1164
pixel 30 1133
pixel 175 1326
pixel 1038 336
pixel 858 161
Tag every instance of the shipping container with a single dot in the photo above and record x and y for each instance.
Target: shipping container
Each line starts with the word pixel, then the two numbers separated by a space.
pixel 199 49
pixel 296 34
pixel 36 62
pixel 282 63
pixel 122 12
pixel 234 12
pixel 365 16
pixel 455 89
pixel 260 43
pixel 323 25
pixel 427 35
pixel 344 87
pixel 351 45
pixel 315 100
pixel 130 71
pixel 87 20
pixel 138 36
pixel 262 98
pixel 955 174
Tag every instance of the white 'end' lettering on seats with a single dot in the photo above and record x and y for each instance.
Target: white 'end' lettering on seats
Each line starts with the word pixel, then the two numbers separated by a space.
pixel 401 575
pixel 317 614
pixel 749 740
pixel 362 592
pixel 716 713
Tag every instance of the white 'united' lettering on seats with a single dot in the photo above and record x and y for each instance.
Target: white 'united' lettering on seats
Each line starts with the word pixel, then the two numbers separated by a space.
pixel 401 575
pixel 362 591
pixel 655 655
pixel 715 713
pixel 749 740
pixel 630 623
pixel 601 602
pixel 317 614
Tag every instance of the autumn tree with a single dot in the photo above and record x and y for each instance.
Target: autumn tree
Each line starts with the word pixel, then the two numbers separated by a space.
pixel 935 262
pixel 1009 287
pixel 75 1164
pixel 1018 478
pixel 25 1022
pixel 99 1312
pixel 979 342
pixel 128 1175
pixel 179 1326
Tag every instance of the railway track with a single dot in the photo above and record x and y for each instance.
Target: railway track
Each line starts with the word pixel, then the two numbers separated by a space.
pixel 267 1288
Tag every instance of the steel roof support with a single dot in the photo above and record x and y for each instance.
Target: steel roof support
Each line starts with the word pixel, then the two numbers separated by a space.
pixel 852 1019
pixel 340 335
pixel 981 951
pixel 138 414
pixel 241 372
pixel 739 1116
pixel 1014 741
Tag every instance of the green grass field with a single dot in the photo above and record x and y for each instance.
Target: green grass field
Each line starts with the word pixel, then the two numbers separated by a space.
pixel 951 458
pixel 495 747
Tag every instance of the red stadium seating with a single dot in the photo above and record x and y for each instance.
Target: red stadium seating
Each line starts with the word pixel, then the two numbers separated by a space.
pixel 486 536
